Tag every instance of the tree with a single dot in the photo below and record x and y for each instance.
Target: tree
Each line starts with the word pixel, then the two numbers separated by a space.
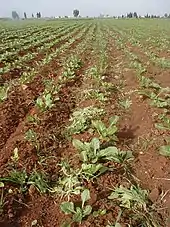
pixel 39 15
pixel 32 15
pixel 135 15
pixel 166 15
pixel 130 15
pixel 15 15
pixel 25 15
pixel 76 12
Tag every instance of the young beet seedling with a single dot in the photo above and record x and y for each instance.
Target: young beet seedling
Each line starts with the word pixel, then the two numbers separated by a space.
pixel 78 212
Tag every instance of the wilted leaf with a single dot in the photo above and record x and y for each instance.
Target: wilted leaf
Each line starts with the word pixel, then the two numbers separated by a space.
pixel 15 157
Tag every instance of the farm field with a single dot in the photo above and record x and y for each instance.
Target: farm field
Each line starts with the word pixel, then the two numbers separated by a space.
pixel 85 123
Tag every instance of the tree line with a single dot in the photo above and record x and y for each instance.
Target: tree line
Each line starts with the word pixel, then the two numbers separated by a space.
pixel 135 15
pixel 76 13
pixel 16 16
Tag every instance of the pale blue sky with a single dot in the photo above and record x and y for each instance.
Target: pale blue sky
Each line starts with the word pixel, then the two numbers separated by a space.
pixel 86 7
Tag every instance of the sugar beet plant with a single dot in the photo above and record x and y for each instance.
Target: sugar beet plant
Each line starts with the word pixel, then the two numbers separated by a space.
pixel 78 212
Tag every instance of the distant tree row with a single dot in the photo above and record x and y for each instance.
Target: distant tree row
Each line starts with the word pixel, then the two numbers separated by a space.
pixel 15 15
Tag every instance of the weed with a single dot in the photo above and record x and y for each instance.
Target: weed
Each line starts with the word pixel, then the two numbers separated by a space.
pixel 126 103
pixel 23 180
pixel 135 200
pixel 31 136
pixel 69 184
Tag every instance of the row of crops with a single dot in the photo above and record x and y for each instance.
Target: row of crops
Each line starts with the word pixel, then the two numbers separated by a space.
pixel 84 109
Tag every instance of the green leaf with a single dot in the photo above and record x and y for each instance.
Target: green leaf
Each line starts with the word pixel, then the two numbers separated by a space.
pixel 108 153
pixel 67 207
pixel 83 156
pixel 2 185
pixel 161 126
pixel 92 169
pixel 87 210
pixel 95 144
pixel 118 225
pixel 113 120
pixel 165 150
pixel 111 130
pixel 48 100
pixel 85 195
pixel 78 144
pixel 65 224
pixel 99 125
pixel 78 216
pixel 99 212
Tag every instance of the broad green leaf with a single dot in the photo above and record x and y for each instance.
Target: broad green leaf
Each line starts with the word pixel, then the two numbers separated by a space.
pixel 87 210
pixel 100 127
pixel 108 153
pixel 67 207
pixel 78 144
pixel 85 195
pixel 78 216
pixel 165 150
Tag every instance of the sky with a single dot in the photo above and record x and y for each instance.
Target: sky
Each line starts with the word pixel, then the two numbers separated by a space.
pixel 86 7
